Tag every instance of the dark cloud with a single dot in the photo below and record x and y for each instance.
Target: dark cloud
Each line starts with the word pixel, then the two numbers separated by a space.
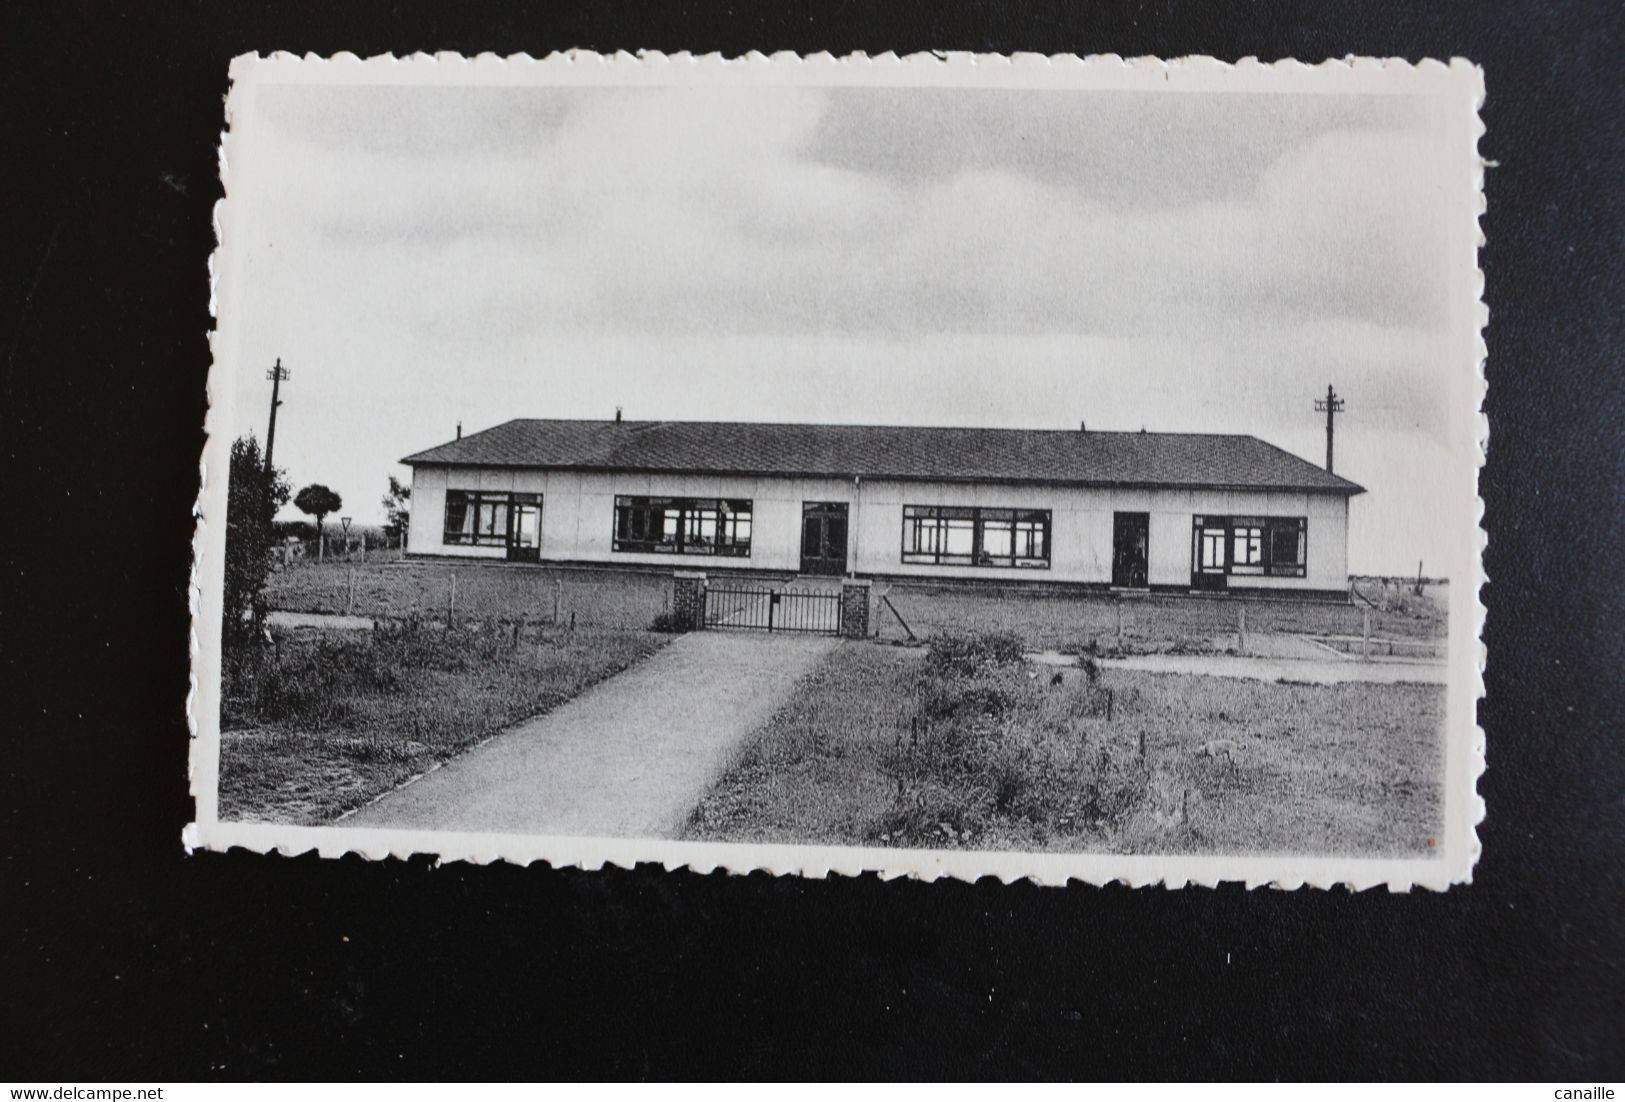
pixel 1130 148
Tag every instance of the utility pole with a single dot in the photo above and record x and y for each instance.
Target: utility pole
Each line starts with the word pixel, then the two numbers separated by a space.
pixel 1331 404
pixel 276 375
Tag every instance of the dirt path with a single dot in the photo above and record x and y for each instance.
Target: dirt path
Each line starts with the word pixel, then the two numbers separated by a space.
pixel 1328 671
pixel 330 620
pixel 628 758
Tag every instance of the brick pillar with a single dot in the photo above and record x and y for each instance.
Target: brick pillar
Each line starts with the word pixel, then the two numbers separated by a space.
pixel 855 608
pixel 688 599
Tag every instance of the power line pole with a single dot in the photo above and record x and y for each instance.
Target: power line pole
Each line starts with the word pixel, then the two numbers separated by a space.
pixel 1332 405
pixel 276 375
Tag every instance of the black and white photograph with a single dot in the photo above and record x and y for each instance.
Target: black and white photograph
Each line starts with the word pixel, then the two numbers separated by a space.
pixel 941 466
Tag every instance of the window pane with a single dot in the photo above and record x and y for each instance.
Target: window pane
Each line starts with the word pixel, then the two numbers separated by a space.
pixel 998 540
pixel 1284 547
pixel 835 537
pixel 458 525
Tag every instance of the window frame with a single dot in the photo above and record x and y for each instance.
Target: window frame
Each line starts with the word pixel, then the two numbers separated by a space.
pixel 697 525
pixel 500 502
pixel 1026 527
pixel 1259 534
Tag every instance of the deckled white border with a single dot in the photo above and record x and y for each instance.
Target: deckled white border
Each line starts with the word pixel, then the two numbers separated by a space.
pixel 1464 752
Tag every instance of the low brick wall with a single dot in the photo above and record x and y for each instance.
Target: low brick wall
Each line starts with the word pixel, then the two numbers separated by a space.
pixel 688 599
pixel 855 603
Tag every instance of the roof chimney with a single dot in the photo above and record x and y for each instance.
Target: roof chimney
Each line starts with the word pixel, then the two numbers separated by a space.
pixel 617 415
pixel 1082 427
pixel 459 430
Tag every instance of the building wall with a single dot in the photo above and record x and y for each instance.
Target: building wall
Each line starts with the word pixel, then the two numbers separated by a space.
pixel 578 513
pixel 578 518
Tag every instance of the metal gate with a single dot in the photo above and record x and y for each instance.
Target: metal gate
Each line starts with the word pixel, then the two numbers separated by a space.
pixel 761 608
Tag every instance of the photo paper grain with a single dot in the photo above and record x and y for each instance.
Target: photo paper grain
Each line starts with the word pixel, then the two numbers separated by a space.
pixel 952 465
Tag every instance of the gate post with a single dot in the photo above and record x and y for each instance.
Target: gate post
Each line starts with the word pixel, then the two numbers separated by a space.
pixel 688 599
pixel 855 607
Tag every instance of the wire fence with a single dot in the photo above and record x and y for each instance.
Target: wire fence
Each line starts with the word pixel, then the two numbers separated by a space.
pixel 371 582
pixel 384 589
pixel 1063 621
pixel 339 547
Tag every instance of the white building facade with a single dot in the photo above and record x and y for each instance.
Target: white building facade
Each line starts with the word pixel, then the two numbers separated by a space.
pixel 1007 518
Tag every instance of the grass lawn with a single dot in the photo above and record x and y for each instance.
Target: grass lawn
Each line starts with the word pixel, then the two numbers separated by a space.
pixel 324 721
pixel 880 747
pixel 596 598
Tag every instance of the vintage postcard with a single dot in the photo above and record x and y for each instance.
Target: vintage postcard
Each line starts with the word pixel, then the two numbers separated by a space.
pixel 951 465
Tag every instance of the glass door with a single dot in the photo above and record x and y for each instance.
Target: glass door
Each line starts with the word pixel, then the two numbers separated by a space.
pixel 1210 562
pixel 525 528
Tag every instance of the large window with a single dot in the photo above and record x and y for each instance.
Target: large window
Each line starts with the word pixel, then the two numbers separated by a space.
pixel 682 525
pixel 949 535
pixel 1275 546
pixel 477 518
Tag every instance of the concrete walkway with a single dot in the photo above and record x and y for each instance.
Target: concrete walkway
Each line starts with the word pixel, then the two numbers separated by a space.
pixel 630 757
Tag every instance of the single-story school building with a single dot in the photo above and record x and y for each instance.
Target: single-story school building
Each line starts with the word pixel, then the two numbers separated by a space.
pixel 1125 510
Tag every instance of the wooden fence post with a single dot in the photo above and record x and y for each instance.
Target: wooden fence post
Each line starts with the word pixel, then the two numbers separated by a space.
pixel 558 594
pixel 1365 634
pixel 451 604
pixel 1119 623
pixel 1241 630
pixel 349 594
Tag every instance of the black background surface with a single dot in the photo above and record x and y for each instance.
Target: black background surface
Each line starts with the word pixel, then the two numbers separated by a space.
pixel 122 958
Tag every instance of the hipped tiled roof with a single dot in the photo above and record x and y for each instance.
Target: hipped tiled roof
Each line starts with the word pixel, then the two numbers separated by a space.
pixel 897 453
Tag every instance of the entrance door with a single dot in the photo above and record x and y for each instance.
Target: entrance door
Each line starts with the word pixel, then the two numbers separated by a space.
pixel 525 528
pixel 823 537
pixel 1210 538
pixel 1131 540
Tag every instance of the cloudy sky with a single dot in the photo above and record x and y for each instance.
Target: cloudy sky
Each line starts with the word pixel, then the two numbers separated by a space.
pixel 1186 262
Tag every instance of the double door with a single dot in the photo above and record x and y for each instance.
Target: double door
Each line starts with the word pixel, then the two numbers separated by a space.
pixel 823 538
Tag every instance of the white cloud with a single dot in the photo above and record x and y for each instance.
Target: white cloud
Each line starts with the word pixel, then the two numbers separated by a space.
pixel 679 253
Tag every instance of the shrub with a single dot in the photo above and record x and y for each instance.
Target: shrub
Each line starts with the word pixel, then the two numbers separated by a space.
pixel 253 495
pixel 964 653
pixel 1008 758
pixel 981 691
pixel 669 623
